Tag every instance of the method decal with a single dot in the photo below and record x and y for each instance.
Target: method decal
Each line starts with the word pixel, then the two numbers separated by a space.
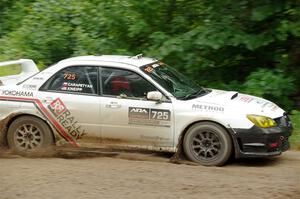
pixel 17 93
pixel 146 116
pixel 207 108
pixel 66 119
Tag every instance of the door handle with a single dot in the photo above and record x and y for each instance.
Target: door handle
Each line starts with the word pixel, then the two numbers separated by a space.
pixel 47 100
pixel 113 105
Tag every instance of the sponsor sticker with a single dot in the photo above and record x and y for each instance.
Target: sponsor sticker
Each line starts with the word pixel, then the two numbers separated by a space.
pixel 17 93
pixel 270 105
pixel 246 99
pixel 30 86
pixel 38 78
pixel 149 69
pixel 66 119
pixel 67 86
pixel 146 116
pixel 155 65
pixel 207 108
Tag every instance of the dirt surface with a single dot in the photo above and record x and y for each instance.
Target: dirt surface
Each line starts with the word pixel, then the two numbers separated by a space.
pixel 143 176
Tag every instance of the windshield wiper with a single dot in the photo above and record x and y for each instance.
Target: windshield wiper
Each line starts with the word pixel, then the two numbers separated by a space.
pixel 200 92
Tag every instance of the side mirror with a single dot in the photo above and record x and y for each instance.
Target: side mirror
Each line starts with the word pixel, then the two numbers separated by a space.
pixel 154 95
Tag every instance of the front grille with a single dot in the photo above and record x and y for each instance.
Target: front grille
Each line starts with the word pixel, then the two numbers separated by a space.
pixel 283 121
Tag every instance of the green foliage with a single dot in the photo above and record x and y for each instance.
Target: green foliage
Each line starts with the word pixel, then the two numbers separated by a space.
pixel 295 138
pixel 270 84
pixel 244 45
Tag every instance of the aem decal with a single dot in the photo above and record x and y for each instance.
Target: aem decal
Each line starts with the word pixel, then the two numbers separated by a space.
pixel 146 116
pixel 17 93
pixel 270 105
pixel 66 119
pixel 207 108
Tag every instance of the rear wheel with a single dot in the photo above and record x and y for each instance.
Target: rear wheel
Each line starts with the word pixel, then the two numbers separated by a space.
pixel 28 133
pixel 208 144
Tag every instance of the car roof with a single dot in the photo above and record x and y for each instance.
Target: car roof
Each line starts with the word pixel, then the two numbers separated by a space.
pixel 137 60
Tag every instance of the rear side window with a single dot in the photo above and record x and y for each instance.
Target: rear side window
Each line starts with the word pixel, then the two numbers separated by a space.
pixel 76 79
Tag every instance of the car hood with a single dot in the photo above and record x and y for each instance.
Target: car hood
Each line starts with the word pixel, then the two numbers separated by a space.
pixel 234 102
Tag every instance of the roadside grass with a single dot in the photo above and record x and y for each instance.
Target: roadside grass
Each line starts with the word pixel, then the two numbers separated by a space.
pixel 295 138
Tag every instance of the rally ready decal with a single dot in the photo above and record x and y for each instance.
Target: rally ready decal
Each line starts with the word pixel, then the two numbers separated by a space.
pixel 151 117
pixel 66 119
pixel 65 124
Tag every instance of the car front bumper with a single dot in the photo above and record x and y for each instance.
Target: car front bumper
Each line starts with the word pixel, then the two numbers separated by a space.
pixel 261 142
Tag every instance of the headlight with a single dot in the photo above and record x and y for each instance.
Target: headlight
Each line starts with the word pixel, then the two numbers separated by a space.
pixel 262 121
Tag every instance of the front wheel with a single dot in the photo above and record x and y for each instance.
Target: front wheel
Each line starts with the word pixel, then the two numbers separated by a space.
pixel 208 144
pixel 28 133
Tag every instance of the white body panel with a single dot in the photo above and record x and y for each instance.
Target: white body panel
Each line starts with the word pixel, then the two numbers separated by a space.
pixel 100 118
pixel 127 120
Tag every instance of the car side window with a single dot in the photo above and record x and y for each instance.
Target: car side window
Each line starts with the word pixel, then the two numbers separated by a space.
pixel 124 83
pixel 75 79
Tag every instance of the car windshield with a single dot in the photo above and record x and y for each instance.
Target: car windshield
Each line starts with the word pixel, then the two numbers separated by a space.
pixel 177 84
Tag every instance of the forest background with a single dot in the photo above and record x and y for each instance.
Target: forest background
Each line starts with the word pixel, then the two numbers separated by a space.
pixel 248 46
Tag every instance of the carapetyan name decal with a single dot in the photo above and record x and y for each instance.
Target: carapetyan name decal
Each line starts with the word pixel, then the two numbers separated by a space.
pixel 65 118
pixel 75 86
pixel 17 93
pixel 146 116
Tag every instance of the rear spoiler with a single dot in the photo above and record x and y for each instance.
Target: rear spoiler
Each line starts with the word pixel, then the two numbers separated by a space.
pixel 28 68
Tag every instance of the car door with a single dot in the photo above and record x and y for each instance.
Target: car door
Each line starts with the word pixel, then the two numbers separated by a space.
pixel 127 117
pixel 71 103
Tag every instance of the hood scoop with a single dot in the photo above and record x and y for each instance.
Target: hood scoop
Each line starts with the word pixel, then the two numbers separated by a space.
pixel 234 96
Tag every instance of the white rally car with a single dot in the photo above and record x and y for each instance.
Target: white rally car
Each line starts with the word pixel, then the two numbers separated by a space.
pixel 134 102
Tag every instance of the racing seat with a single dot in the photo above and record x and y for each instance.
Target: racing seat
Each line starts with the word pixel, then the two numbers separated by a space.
pixel 120 85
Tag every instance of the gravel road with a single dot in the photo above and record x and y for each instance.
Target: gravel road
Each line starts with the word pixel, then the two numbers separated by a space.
pixel 143 176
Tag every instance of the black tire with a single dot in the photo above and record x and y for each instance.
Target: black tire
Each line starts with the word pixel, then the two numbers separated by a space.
pixel 27 134
pixel 208 144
